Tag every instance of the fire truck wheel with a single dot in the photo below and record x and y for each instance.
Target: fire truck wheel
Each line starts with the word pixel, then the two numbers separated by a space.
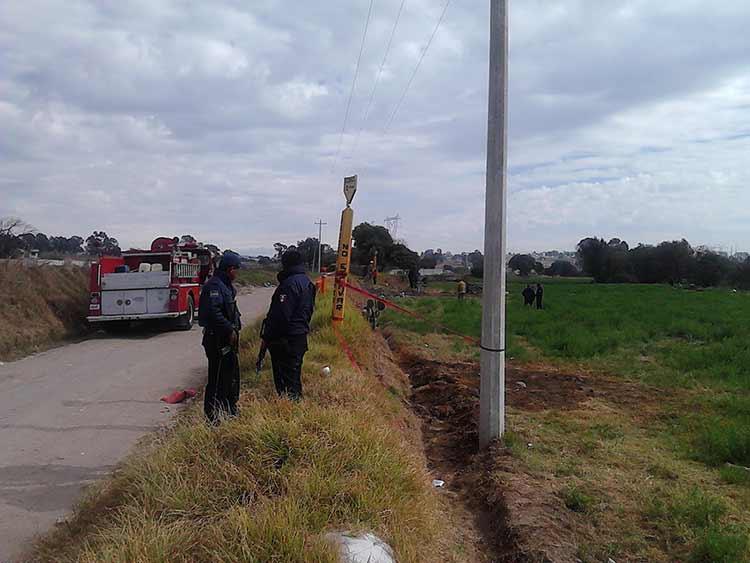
pixel 185 322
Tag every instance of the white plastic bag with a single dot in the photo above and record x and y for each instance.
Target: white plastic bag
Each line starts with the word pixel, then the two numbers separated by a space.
pixel 367 548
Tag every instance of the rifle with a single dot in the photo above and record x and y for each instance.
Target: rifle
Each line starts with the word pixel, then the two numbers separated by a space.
pixel 262 351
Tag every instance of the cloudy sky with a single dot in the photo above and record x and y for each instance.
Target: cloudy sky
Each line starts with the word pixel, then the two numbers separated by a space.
pixel 628 118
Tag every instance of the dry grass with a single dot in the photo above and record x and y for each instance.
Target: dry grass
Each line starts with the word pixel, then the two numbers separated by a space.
pixel 615 487
pixel 269 484
pixel 41 305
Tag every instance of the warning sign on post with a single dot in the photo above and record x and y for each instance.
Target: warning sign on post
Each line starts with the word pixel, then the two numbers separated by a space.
pixel 344 257
pixel 342 264
pixel 350 188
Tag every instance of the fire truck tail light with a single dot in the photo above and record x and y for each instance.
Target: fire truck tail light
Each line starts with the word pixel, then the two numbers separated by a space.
pixel 173 295
pixel 95 298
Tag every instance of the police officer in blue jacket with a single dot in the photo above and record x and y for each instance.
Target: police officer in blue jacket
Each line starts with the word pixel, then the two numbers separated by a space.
pixel 287 324
pixel 220 319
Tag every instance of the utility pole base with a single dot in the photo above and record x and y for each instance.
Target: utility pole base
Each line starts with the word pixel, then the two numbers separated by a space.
pixel 492 398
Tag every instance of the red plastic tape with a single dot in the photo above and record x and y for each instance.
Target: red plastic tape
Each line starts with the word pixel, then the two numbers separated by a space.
pixel 400 309
pixel 345 347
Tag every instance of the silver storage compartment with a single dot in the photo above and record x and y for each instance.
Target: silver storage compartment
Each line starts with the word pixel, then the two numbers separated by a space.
pixel 157 301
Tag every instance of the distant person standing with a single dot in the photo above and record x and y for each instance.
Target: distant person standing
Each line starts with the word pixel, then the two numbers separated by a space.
pixel 461 290
pixel 220 319
pixel 413 277
pixel 288 323
pixel 374 272
pixel 539 296
pixel 528 296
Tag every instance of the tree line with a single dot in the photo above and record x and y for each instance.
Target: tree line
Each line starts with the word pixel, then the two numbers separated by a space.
pixel 525 264
pixel 308 248
pixel 368 241
pixel 18 237
pixel 674 262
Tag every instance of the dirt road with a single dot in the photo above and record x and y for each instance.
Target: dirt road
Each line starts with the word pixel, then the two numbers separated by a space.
pixel 67 416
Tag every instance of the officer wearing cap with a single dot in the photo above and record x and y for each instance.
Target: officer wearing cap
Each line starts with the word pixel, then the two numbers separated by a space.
pixel 220 319
pixel 288 323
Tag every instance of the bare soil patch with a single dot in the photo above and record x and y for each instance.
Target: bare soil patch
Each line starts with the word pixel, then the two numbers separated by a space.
pixel 446 399
pixel 518 516
pixel 452 389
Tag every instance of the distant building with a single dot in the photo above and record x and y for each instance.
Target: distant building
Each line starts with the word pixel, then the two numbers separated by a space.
pixel 549 257
pixel 431 272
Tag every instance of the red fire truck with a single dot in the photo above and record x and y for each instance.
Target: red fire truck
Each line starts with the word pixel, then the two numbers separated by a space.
pixel 161 283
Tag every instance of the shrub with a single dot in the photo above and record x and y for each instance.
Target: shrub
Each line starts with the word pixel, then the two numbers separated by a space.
pixel 692 508
pixel 734 475
pixel 577 500
pixel 724 442
pixel 719 545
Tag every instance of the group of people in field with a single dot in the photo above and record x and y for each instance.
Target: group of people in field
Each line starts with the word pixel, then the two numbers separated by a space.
pixel 530 295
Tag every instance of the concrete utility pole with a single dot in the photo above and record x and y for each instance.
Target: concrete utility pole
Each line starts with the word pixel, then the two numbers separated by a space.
pixel 320 224
pixel 492 393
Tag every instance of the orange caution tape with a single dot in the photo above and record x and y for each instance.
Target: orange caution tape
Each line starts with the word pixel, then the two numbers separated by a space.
pixel 345 347
pixel 405 311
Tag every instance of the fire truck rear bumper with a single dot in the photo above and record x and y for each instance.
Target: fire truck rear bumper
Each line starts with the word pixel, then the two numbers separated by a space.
pixel 104 318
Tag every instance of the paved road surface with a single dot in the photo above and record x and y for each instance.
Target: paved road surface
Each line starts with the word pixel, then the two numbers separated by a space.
pixel 67 416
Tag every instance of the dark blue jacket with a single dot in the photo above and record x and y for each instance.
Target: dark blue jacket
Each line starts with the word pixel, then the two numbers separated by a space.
pixel 218 312
pixel 291 305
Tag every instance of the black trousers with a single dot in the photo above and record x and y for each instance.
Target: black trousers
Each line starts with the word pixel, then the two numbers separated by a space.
pixel 287 355
pixel 223 387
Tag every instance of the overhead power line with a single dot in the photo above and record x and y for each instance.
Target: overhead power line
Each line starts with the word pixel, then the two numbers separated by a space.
pixel 380 73
pixel 416 68
pixel 354 84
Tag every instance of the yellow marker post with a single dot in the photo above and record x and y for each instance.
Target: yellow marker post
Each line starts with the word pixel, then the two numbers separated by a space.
pixel 344 257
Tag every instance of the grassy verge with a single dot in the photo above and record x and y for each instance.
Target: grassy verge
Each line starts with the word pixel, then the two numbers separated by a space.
pixel 269 484
pixel 643 457
pixel 41 305
pixel 257 276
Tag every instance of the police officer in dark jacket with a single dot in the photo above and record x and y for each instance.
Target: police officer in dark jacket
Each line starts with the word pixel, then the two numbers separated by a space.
pixel 528 295
pixel 288 323
pixel 220 319
pixel 539 296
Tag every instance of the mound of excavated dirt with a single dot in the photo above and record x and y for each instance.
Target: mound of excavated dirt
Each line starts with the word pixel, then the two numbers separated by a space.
pixel 452 388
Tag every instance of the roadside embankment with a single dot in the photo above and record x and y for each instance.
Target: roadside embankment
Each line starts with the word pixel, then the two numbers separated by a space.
pixel 258 277
pixel 269 484
pixel 41 305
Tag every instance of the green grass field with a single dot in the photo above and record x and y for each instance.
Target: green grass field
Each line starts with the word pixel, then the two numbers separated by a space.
pixel 663 336
pixel 661 477
pixel 257 276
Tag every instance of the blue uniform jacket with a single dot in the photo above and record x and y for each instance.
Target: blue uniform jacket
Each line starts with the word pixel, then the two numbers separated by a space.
pixel 292 306
pixel 218 312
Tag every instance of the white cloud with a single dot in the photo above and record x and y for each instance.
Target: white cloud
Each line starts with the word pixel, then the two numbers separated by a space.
pixel 628 118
